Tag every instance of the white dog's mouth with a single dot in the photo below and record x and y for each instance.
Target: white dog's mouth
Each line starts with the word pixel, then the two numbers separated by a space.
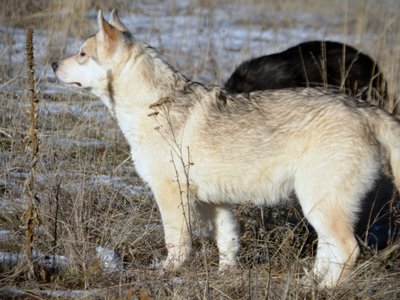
pixel 77 85
pixel 70 84
pixel 55 65
pixel 74 84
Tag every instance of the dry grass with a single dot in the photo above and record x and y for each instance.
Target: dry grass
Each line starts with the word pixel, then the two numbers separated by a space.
pixel 89 194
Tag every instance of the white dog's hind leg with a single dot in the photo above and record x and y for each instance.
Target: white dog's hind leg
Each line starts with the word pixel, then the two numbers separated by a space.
pixel 335 258
pixel 224 230
pixel 226 236
pixel 330 189
pixel 337 247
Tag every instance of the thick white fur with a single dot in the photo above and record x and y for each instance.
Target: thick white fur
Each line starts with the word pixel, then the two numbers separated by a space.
pixel 210 151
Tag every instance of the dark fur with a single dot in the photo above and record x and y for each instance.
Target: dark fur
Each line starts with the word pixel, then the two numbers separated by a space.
pixel 320 63
pixel 313 64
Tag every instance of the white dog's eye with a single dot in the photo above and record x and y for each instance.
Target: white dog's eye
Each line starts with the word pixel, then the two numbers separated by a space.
pixel 82 54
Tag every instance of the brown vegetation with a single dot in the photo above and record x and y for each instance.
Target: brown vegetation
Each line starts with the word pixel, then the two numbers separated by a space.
pixel 89 194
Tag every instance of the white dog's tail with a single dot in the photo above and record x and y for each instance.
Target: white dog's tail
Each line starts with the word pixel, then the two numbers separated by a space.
pixel 386 129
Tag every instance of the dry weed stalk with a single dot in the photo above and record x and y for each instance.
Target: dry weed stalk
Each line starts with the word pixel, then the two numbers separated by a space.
pixel 162 109
pixel 30 215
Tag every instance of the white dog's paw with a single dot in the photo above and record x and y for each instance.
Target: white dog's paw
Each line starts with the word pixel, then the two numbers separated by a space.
pixel 312 280
pixel 226 266
pixel 174 262
pixel 309 279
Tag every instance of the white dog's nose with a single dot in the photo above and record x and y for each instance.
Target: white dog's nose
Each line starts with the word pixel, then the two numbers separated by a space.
pixel 54 65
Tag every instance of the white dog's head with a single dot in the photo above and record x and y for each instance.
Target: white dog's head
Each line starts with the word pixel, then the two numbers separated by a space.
pixel 99 58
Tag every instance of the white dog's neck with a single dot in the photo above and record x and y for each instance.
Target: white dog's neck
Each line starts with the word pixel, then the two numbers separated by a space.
pixel 147 78
pixel 143 81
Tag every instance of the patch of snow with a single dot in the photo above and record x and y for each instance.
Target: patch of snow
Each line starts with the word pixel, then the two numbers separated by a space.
pixel 6 236
pixel 8 185
pixel 109 259
pixel 68 142
pixel 153 226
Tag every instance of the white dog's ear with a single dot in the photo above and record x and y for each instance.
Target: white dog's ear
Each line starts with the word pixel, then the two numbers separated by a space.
pixel 107 32
pixel 116 22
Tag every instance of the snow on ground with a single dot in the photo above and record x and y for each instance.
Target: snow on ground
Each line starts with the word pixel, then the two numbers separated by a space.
pixel 188 37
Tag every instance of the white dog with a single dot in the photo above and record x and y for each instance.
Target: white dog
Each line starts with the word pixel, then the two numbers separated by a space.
pixel 193 143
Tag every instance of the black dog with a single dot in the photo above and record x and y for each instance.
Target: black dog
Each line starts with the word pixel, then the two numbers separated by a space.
pixel 332 65
pixel 313 64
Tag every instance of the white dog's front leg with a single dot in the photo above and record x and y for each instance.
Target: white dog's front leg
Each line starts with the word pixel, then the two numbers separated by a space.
pixel 178 245
pixel 174 209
